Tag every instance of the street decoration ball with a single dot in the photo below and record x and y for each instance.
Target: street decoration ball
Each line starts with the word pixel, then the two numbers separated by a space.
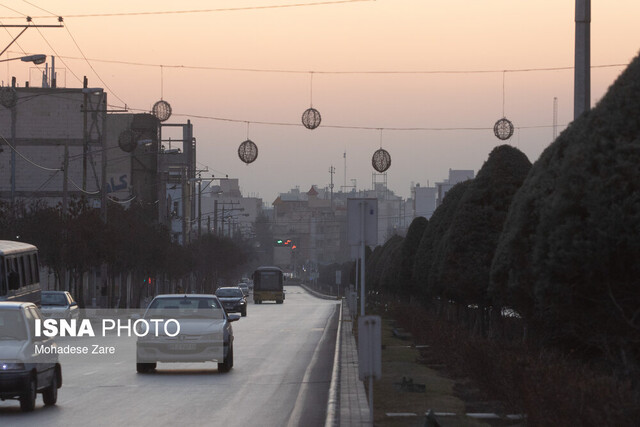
pixel 162 110
pixel 248 151
pixel 311 118
pixel 381 160
pixel 503 129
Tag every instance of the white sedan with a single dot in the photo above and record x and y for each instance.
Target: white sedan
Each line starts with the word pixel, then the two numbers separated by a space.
pixel 195 328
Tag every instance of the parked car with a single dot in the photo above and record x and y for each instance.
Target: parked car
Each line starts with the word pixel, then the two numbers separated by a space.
pixel 245 288
pixel 233 300
pixel 205 332
pixel 58 305
pixel 23 371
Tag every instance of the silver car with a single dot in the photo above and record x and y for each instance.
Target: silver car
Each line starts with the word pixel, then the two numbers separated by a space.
pixel 25 368
pixel 194 328
pixel 58 305
pixel 245 288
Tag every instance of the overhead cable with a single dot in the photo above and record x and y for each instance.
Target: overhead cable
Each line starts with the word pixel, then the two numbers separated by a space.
pixel 222 9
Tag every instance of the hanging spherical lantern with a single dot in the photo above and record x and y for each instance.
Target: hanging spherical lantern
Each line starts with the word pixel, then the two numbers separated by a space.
pixel 503 129
pixel 381 160
pixel 248 151
pixel 162 110
pixel 8 97
pixel 311 118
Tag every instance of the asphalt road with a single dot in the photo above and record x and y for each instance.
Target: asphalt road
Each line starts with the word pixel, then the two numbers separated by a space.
pixel 283 357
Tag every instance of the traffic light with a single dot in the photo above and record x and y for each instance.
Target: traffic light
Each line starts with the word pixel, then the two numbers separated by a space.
pixel 282 242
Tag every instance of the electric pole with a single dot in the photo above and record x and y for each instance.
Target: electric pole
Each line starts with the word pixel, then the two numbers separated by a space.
pixel 582 68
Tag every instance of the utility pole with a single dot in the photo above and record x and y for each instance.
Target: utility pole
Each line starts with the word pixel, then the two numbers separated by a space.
pixel 14 118
pixel 199 205
pixel 215 217
pixel 222 219
pixel 65 185
pixel 582 68
pixel 103 157
pixel 185 200
pixel 332 170
pixel 85 142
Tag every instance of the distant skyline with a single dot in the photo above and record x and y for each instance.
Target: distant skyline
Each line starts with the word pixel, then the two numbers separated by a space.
pixel 438 118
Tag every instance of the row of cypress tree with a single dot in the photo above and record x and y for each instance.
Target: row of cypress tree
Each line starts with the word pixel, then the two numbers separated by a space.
pixel 557 241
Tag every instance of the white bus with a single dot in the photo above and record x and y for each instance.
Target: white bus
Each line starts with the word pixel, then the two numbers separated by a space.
pixel 19 272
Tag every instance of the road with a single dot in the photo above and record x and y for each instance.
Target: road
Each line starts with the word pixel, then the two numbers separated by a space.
pixel 283 357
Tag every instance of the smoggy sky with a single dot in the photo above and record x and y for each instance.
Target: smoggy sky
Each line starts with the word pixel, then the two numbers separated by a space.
pixel 359 36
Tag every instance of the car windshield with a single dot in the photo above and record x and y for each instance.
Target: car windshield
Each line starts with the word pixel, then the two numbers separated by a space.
pixel 12 325
pixel 182 308
pixel 229 292
pixel 53 299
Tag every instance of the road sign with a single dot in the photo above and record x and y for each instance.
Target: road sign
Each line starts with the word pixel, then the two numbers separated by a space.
pixel 354 221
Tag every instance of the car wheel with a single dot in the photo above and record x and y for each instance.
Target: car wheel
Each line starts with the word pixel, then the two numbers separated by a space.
pixel 28 398
pixel 50 394
pixel 244 312
pixel 144 368
pixel 278 301
pixel 228 361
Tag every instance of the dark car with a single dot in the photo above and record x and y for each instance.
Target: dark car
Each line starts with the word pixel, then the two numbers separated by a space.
pixel 233 300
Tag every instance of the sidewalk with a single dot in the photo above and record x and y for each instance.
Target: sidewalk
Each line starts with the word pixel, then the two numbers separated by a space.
pixel 354 408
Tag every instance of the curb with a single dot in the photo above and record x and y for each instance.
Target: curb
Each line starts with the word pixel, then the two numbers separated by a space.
pixel 333 404
pixel 318 294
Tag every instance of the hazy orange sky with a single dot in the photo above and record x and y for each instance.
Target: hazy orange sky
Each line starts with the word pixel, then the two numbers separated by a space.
pixel 381 35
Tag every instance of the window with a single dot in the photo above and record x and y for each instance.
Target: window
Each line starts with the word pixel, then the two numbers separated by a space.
pixel 3 279
pixel 35 269
pixel 23 279
pixel 26 260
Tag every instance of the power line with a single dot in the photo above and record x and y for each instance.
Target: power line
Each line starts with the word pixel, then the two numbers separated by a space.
pixel 61 58
pixel 376 128
pixel 178 12
pixel 79 50
pixel 91 66
pixel 285 71
pixel 27 159
pixel 38 7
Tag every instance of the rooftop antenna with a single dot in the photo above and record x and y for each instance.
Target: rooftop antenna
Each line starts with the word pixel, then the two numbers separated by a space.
pixel 344 156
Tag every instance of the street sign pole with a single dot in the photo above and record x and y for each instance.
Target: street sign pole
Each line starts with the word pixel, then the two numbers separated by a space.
pixel 370 353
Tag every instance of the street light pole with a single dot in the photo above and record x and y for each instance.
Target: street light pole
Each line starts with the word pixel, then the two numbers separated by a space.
pixel 582 67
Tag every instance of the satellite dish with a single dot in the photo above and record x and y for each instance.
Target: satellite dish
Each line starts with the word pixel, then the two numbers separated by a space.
pixel 127 141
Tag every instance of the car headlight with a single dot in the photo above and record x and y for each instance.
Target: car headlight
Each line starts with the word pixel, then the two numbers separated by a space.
pixel 11 366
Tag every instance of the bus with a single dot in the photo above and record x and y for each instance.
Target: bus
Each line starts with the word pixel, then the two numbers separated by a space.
pixel 268 285
pixel 19 272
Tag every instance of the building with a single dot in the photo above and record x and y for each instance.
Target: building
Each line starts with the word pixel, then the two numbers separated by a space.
pixel 315 227
pixel 424 201
pixel 224 210
pixel 455 176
